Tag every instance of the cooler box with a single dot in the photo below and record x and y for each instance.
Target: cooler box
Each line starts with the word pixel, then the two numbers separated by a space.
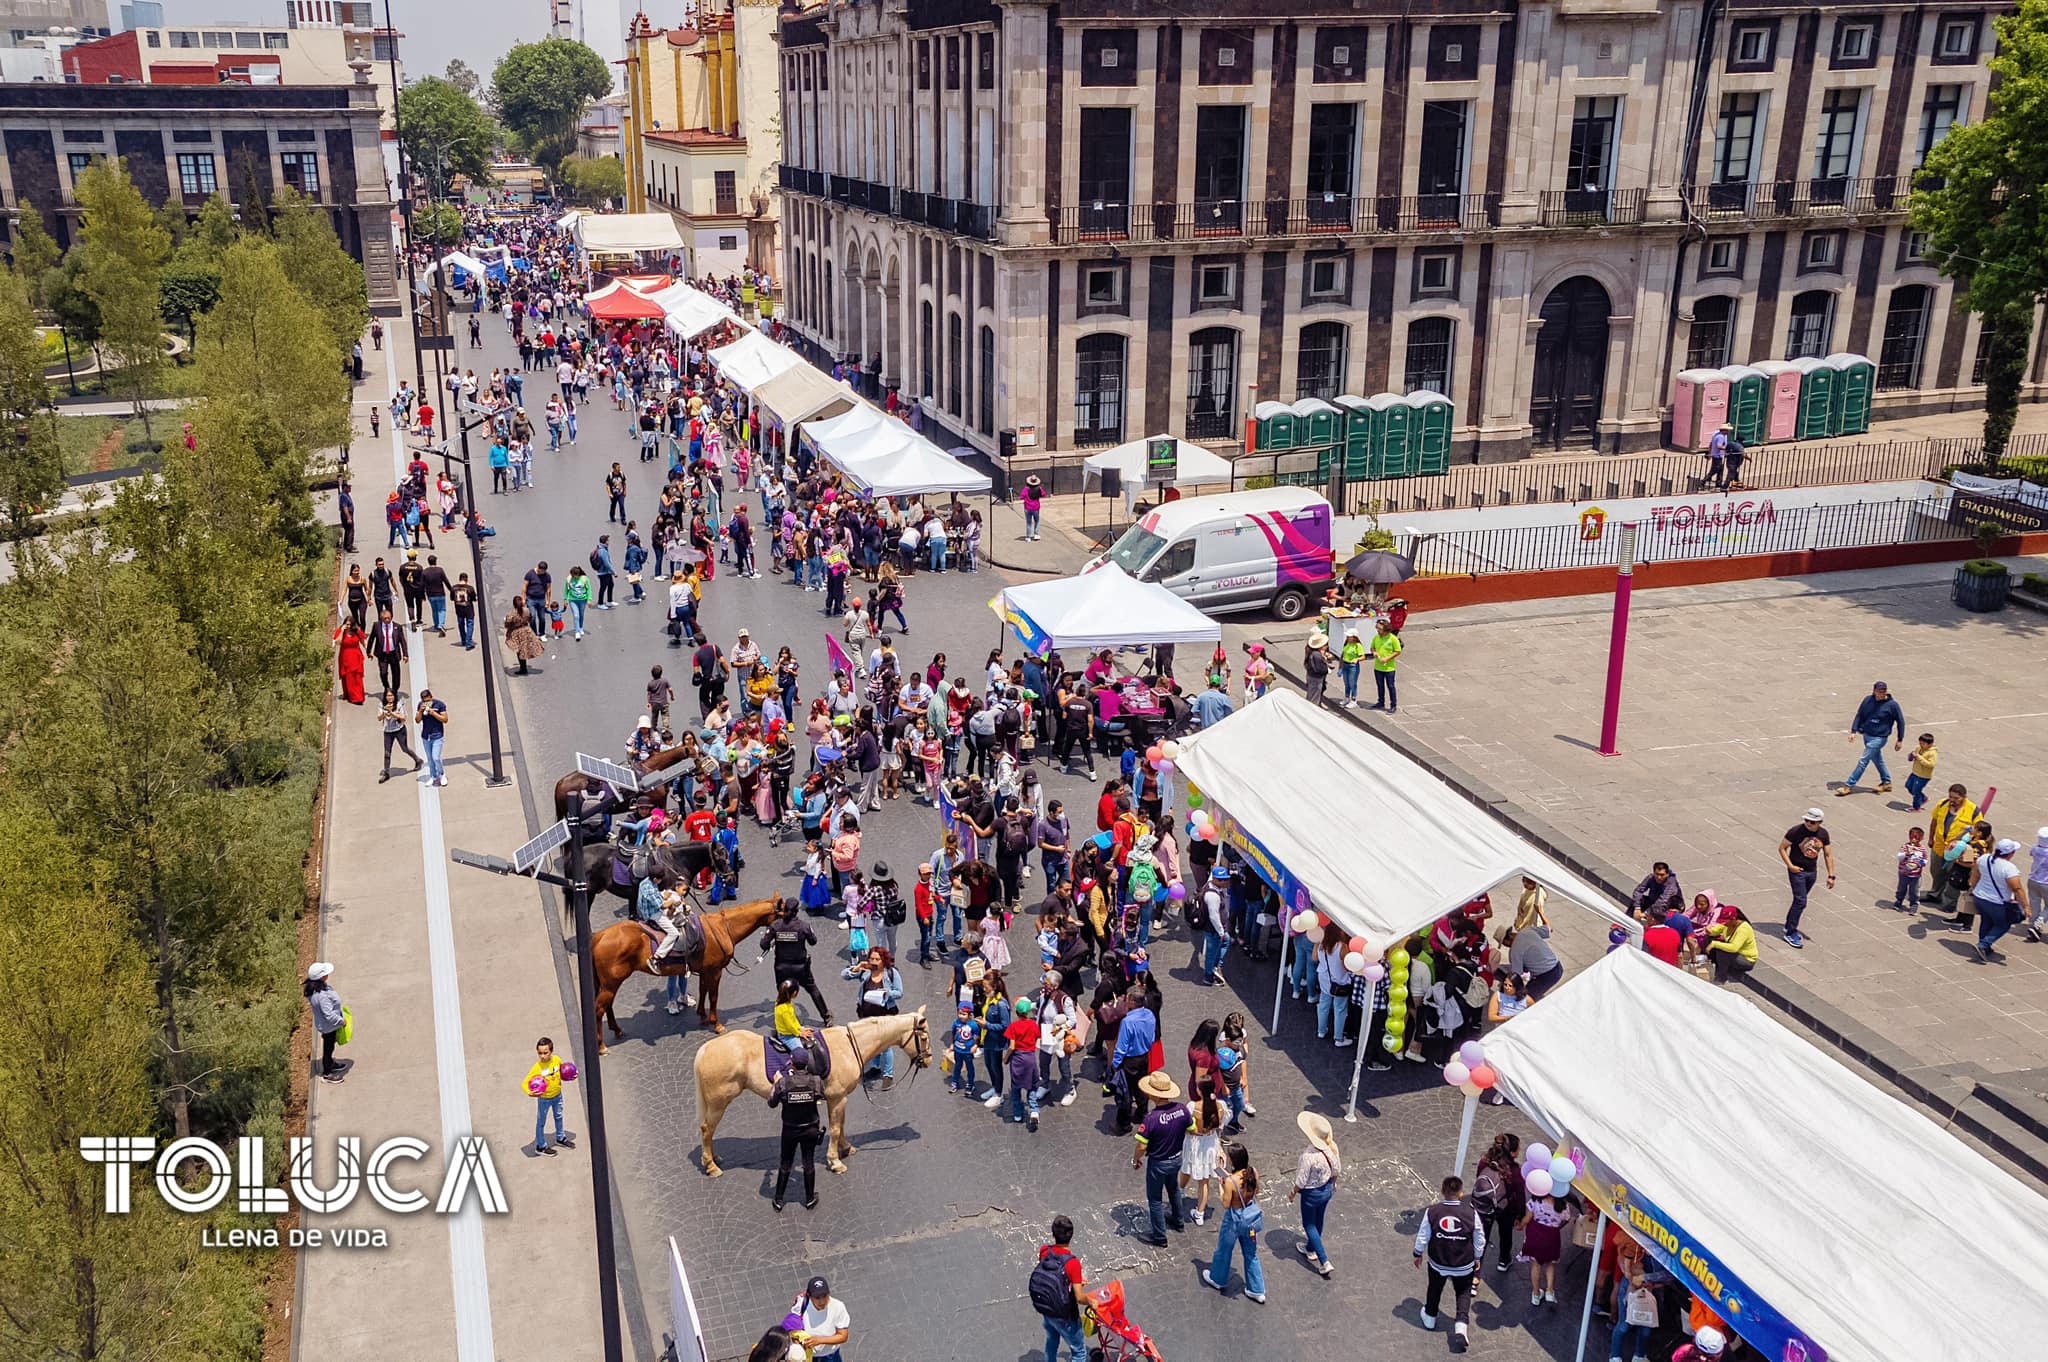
pixel 1429 431
pixel 1275 423
pixel 1390 420
pixel 1781 398
pixel 1317 424
pixel 1746 402
pixel 1699 404
pixel 1816 396
pixel 1849 404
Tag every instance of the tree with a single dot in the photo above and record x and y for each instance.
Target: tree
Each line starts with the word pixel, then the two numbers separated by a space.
pixel 438 224
pixel 190 288
pixel 462 77
pixel 542 90
pixel 35 253
pixel 445 133
pixel 211 233
pixel 1982 199
pixel 591 180
pixel 31 467
pixel 327 274
pixel 72 308
pixel 122 250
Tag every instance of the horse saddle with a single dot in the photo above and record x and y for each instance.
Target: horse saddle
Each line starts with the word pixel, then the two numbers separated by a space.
pixel 775 1056
pixel 689 947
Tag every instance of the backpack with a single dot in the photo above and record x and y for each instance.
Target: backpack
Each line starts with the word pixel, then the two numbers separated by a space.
pixel 1052 1292
pixel 1144 881
pixel 1193 912
pixel 1489 1190
pixel 983 724
pixel 1014 837
pixel 1009 720
pixel 595 565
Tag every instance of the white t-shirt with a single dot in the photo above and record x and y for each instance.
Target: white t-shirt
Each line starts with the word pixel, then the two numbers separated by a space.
pixel 830 1320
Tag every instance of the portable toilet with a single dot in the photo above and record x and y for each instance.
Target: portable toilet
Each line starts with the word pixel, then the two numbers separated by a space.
pixel 1855 379
pixel 1429 431
pixel 1275 425
pixel 1391 416
pixel 1746 402
pixel 1357 436
pixel 1816 396
pixel 1699 404
pixel 1317 424
pixel 1781 398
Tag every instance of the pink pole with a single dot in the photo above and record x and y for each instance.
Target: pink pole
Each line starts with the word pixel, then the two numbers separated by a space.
pixel 1617 641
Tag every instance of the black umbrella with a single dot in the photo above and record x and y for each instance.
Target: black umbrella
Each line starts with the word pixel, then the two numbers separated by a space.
pixel 1380 567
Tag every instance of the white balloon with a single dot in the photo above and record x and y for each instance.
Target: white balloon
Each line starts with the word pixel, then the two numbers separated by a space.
pixel 1470 1089
pixel 1538 1182
pixel 1354 962
pixel 1170 750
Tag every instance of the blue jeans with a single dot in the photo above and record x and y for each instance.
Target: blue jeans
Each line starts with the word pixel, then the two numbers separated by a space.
pixel 576 614
pixel 1994 920
pixel 1908 892
pixel 1384 689
pixel 1030 522
pixel 1055 864
pixel 1349 671
pixel 938 552
pixel 1315 1203
pixel 677 989
pixel 432 749
pixel 1162 1190
pixel 963 1071
pixel 1301 969
pixel 1916 786
pixel 465 625
pixel 1873 751
pixel 1067 1331
pixel 1802 884
pixel 541 1107
pixel 1623 1332
pixel 1332 1011
pixel 1214 946
pixel 1045 1066
pixel 1239 1230
pixel 439 606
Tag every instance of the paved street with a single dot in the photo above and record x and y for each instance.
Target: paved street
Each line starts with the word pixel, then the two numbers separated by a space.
pixel 931 1233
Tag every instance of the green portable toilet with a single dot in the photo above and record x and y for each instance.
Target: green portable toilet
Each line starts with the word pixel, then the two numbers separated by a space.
pixel 1317 424
pixel 1390 422
pixel 1357 417
pixel 1747 390
pixel 1276 426
pixel 1430 417
pixel 1816 397
pixel 1849 405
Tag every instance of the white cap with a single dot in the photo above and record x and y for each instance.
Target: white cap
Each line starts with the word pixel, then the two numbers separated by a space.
pixel 645 722
pixel 1815 816
pixel 1709 1340
pixel 318 970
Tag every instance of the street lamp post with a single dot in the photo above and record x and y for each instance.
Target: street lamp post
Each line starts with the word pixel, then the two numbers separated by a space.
pixel 1617 640
pixel 412 279
pixel 476 561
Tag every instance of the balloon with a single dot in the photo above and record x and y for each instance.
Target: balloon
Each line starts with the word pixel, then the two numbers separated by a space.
pixel 1171 750
pixel 1456 1074
pixel 569 1070
pixel 1472 1053
pixel 1397 1024
pixel 1391 1044
pixel 1211 833
pixel 1358 946
pixel 1399 974
pixel 1304 922
pixel 1374 972
pixel 1485 1077
pixel 1176 891
pixel 1152 753
pixel 1322 919
pixel 1165 766
pixel 1354 962
pixel 1557 1188
pixel 1398 956
pixel 1194 799
pixel 1538 1154
pixel 1562 1170
pixel 1199 818
pixel 1471 1089
pixel 537 1085
pixel 1538 1183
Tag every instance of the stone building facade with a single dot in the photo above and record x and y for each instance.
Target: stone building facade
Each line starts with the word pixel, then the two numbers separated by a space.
pixel 1079 223
pixel 182 143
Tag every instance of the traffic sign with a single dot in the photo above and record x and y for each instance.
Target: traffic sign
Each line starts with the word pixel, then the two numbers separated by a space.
pixel 610 772
pixel 534 852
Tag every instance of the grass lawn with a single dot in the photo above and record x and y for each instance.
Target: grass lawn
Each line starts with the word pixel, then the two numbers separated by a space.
pixel 95 444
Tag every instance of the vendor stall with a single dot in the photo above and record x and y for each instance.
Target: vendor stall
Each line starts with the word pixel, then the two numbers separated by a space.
pixel 1106 608
pixel 614 234
pixel 1144 463
pixel 1825 1219
pixel 895 461
pixel 691 311
pixel 752 360
pixel 803 394
pixel 616 302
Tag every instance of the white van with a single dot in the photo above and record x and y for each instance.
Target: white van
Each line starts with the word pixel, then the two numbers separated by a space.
pixel 1237 551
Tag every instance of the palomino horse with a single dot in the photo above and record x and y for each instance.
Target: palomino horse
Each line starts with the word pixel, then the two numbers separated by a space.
pixel 576 781
pixel 623 950
pixel 733 1063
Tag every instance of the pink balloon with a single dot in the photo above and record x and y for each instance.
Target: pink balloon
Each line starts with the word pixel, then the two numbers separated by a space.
pixel 1485 1077
pixel 1357 943
pixel 1153 754
pixel 537 1085
pixel 569 1070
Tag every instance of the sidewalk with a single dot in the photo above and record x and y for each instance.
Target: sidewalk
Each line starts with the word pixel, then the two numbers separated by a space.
pixel 450 976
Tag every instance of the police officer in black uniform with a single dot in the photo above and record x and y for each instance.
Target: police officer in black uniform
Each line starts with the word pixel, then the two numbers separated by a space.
pixel 793 938
pixel 801 1096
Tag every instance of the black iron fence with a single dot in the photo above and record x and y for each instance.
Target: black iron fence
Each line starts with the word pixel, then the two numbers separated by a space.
pixel 1327 214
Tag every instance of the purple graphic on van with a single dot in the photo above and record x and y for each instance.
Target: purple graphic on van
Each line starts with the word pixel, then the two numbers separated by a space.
pixel 1300 544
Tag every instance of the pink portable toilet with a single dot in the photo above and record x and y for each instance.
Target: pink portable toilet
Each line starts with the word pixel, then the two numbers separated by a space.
pixel 1699 404
pixel 1781 397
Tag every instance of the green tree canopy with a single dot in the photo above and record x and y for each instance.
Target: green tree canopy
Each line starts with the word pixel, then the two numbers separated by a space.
pixel 121 252
pixel 463 77
pixel 591 180
pixel 35 252
pixel 542 90
pixel 1982 199
pixel 323 271
pixel 31 467
pixel 446 133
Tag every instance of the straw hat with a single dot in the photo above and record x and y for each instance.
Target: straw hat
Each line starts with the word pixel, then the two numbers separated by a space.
pixel 1318 639
pixel 1317 1128
pixel 1159 1086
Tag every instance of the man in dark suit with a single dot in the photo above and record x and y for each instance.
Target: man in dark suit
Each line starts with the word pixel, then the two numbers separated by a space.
pixel 387 645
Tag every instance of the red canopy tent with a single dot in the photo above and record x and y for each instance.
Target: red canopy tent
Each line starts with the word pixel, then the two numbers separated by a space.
pixel 617 303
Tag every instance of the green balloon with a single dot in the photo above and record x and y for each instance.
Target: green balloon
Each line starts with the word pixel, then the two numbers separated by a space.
pixel 1398 977
pixel 1391 1043
pixel 1398 959
pixel 1194 799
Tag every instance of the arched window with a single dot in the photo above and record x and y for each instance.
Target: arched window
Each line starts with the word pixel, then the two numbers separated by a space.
pixel 1212 384
pixel 1429 356
pixel 953 363
pixel 1905 336
pixel 1099 390
pixel 1812 333
pixel 1324 349
pixel 1713 327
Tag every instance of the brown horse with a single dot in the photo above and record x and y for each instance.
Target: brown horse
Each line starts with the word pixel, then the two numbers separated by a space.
pixel 623 950
pixel 576 782
pixel 731 1064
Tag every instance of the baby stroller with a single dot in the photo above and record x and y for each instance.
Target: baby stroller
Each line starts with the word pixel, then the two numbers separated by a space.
pixel 1112 1336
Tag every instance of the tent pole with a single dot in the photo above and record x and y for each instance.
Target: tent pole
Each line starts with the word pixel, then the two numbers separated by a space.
pixel 1280 984
pixel 1592 1283
pixel 1465 1134
pixel 1358 1060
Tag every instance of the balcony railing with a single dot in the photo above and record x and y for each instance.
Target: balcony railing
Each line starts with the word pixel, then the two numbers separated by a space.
pixel 1321 215
pixel 938 212
pixel 1207 424
pixel 977 220
pixel 842 189
pixel 1590 207
pixel 1771 200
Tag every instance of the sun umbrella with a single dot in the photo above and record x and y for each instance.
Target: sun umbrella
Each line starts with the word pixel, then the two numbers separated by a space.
pixel 1379 567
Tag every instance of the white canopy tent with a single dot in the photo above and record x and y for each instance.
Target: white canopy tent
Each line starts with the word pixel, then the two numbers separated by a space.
pixel 908 466
pixel 798 394
pixel 1830 1209
pixel 753 359
pixel 863 417
pixel 1298 791
pixel 1106 608
pixel 625 233
pixel 1193 464
pixel 460 260
pixel 691 311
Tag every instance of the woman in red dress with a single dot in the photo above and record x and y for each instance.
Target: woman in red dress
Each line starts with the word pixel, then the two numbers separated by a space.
pixel 348 663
